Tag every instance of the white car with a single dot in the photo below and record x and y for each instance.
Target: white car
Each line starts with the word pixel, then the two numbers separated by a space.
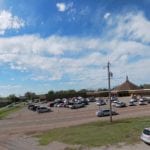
pixel 145 136
pixel 43 109
pixel 100 102
pixel 132 103
pixel 133 100
pixel 105 112
pixel 142 102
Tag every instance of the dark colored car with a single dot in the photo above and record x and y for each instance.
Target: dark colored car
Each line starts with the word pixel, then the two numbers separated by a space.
pixel 33 107
pixel 51 104
pixel 84 101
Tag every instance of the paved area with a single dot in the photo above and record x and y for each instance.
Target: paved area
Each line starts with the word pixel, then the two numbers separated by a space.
pixel 15 126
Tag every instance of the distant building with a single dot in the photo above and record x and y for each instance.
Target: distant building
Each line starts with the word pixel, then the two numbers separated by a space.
pixel 126 86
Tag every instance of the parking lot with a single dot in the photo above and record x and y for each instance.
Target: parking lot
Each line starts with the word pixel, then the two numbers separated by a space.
pixel 26 121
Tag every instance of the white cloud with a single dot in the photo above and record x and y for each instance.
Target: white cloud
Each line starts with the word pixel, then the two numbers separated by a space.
pixel 8 21
pixel 54 45
pixel 7 89
pixel 9 86
pixel 49 58
pixel 107 15
pixel 133 25
pixel 61 7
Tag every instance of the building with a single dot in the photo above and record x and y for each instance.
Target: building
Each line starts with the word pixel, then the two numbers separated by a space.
pixel 128 88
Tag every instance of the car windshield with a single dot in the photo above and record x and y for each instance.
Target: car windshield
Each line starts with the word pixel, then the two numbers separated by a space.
pixel 146 131
pixel 105 110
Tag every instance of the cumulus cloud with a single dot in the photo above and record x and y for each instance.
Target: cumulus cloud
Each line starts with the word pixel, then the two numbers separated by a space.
pixel 30 53
pixel 49 58
pixel 133 25
pixel 8 21
pixel 54 45
pixel 106 16
pixel 62 7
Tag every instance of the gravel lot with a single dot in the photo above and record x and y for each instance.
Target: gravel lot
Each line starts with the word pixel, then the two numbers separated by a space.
pixel 15 126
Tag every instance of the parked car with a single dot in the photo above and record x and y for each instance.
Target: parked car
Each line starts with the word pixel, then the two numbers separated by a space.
pixel 114 103
pixel 60 105
pixel 105 112
pixel 84 100
pixel 77 105
pixel 30 106
pixel 120 104
pixel 33 107
pixel 91 99
pixel 142 102
pixel 114 98
pixel 147 99
pixel 133 100
pixel 51 104
pixel 43 109
pixel 100 102
pixel 145 136
pixel 132 103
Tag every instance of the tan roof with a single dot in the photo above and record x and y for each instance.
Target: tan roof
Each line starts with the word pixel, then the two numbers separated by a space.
pixel 127 85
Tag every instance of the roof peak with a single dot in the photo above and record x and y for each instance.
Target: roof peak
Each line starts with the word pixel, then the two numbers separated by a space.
pixel 127 79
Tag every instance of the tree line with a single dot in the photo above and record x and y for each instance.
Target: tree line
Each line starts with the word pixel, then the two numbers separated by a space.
pixel 50 96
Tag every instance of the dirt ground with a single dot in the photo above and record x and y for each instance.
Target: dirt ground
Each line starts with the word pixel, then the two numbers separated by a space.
pixel 15 128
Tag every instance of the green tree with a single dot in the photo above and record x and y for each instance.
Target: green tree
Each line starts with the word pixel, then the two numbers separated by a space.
pixel 51 95
pixel 30 95
pixel 12 98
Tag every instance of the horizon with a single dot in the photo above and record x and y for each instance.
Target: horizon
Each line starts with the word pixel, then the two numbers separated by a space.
pixel 66 44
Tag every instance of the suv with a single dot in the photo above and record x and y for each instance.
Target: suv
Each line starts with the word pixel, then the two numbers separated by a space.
pixel 145 136
pixel 105 112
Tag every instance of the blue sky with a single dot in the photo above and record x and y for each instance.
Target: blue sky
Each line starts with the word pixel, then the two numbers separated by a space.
pixel 66 44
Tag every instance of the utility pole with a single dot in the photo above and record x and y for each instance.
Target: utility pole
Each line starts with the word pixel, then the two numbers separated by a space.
pixel 109 90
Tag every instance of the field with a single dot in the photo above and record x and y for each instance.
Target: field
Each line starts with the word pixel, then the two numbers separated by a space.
pixel 99 133
pixel 4 112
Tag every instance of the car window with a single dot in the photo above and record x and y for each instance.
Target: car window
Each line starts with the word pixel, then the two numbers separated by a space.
pixel 147 132
pixel 106 111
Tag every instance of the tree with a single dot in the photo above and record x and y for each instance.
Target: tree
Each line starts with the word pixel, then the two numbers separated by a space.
pixel 13 98
pixel 51 95
pixel 30 95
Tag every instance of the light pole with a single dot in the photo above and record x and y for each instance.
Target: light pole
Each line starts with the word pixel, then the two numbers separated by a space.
pixel 109 91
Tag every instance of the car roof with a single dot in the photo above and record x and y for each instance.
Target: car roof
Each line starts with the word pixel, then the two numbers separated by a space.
pixel 147 128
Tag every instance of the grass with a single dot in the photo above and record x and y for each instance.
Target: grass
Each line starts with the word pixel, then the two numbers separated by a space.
pixel 6 111
pixel 99 133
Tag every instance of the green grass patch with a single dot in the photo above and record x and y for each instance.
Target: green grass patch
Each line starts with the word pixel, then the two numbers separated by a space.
pixel 98 133
pixel 6 111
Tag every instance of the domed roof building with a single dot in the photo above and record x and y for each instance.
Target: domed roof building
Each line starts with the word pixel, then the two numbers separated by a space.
pixel 126 86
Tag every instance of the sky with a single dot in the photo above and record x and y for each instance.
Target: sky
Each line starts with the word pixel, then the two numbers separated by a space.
pixel 66 44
